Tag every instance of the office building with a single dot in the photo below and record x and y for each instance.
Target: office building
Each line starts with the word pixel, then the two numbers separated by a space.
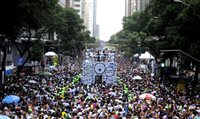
pixel 130 7
pixel 141 5
pixel 89 18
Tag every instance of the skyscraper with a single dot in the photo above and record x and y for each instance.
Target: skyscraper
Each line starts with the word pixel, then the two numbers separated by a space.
pixel 62 3
pixel 78 6
pixel 141 4
pixel 134 5
pixel 130 7
pixel 87 11
pixel 67 3
pixel 89 17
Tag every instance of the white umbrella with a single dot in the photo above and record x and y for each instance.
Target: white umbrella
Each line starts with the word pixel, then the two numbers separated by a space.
pixel 112 93
pixel 137 78
pixel 147 96
pixel 50 54
pixel 146 55
pixel 32 81
pixel 52 111
pixel 4 117
pixel 136 55
pixel 53 68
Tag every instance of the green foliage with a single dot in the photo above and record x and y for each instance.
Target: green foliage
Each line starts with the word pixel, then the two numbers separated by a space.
pixel 164 25
pixel 37 51
pixel 71 31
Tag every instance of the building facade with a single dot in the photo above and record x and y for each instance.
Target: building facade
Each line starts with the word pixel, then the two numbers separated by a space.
pixel 89 16
pixel 87 12
pixel 132 6
pixel 141 5
pixel 62 3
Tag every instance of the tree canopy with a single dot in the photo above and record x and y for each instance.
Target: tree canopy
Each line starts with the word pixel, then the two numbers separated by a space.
pixel 25 23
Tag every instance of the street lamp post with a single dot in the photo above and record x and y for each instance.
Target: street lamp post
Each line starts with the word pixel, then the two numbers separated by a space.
pixel 181 1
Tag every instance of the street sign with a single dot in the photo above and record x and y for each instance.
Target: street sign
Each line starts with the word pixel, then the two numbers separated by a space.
pixel 20 61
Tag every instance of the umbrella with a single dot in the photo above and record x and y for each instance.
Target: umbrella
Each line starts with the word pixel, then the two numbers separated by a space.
pixel 11 99
pixel 137 78
pixel 32 81
pixel 118 101
pixel 112 93
pixel 4 117
pixel 50 54
pixel 147 96
pixel 45 73
pixel 52 111
pixel 53 68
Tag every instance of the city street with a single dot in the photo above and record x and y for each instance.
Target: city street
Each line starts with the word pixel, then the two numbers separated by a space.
pixel 62 95
pixel 99 59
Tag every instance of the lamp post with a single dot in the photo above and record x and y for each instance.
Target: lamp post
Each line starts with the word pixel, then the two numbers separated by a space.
pixel 181 1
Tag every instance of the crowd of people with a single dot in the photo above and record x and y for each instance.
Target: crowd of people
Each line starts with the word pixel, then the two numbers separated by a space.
pixel 62 96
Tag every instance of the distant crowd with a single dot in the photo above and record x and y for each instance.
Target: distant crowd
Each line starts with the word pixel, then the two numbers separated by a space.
pixel 62 96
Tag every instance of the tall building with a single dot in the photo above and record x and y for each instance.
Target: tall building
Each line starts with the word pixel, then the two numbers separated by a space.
pixel 97 31
pixel 62 3
pixel 94 17
pixel 89 17
pixel 141 4
pixel 67 3
pixel 130 7
pixel 87 11
pixel 77 5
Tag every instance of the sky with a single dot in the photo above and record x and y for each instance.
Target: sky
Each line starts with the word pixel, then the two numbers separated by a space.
pixel 109 17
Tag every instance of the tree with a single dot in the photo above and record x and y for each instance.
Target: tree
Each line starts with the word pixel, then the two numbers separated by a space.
pixel 71 31
pixel 188 27
pixel 9 24
pixel 168 25
pixel 36 18
pixel 37 51
pixel 20 18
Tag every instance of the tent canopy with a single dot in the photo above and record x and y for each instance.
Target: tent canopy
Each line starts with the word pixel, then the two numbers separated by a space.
pixel 136 55
pixel 146 55
pixel 50 53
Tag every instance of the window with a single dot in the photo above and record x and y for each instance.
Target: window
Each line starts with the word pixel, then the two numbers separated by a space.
pixel 77 5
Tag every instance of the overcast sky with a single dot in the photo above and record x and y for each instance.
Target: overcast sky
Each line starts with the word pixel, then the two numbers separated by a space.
pixel 109 17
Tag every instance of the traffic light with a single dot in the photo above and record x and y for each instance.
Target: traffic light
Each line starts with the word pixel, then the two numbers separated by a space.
pixel 162 60
pixel 162 64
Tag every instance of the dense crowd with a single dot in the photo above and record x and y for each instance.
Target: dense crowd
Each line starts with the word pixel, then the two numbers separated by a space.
pixel 62 96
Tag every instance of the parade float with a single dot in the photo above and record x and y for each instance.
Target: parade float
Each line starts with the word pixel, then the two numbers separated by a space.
pixel 99 67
